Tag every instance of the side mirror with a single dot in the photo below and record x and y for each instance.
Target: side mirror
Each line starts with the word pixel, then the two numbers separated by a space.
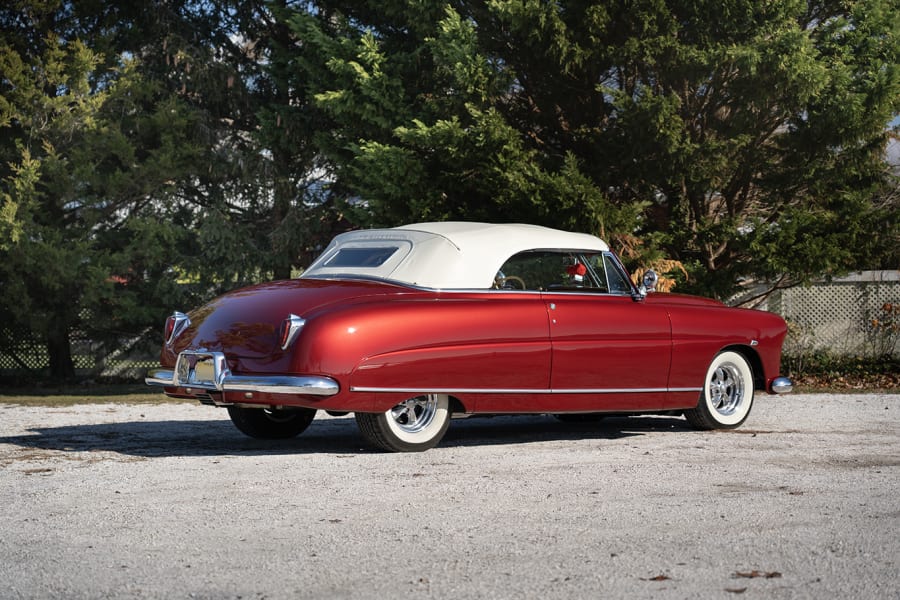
pixel 649 282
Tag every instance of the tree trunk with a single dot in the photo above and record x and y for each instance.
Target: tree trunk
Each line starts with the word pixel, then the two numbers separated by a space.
pixel 281 268
pixel 60 349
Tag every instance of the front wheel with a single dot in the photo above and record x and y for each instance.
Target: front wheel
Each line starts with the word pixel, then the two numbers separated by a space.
pixel 414 425
pixel 270 423
pixel 727 394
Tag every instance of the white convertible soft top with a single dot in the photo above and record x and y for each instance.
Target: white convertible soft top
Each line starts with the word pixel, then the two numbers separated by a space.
pixel 449 255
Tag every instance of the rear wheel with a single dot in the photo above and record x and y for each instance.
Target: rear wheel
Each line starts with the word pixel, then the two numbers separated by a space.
pixel 414 425
pixel 727 394
pixel 270 423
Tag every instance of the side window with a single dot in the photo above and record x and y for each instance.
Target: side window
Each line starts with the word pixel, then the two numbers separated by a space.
pixel 618 282
pixel 529 271
pixel 547 270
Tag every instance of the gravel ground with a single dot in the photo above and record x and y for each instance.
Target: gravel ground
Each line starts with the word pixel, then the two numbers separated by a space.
pixel 170 501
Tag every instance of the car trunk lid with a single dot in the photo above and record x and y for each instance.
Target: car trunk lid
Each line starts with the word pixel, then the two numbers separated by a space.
pixel 246 322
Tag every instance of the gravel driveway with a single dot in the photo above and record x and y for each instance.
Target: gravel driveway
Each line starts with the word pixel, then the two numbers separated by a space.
pixel 170 501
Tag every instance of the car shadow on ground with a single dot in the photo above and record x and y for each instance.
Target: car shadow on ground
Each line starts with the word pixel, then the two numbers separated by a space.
pixel 219 437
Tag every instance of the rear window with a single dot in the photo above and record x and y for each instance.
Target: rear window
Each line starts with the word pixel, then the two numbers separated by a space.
pixel 369 256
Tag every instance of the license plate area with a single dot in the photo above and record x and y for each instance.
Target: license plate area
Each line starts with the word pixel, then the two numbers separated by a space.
pixel 199 369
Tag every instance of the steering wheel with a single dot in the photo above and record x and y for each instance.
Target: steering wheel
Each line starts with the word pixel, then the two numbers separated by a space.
pixel 502 282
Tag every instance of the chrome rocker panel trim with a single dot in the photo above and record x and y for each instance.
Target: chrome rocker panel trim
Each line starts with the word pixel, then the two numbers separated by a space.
pixel 217 377
pixel 522 391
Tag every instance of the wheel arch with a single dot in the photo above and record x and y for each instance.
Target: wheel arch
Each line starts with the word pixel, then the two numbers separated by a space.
pixel 755 362
pixel 456 405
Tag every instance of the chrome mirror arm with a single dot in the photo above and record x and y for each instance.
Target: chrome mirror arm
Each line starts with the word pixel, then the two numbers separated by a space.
pixel 648 284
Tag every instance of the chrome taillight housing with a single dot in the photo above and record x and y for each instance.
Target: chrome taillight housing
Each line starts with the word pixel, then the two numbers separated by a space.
pixel 290 327
pixel 175 325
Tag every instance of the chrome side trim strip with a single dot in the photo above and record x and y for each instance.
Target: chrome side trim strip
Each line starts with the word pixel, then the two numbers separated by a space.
pixel 412 286
pixel 520 391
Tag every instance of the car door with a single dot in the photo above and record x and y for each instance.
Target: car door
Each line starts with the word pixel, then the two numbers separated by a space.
pixel 609 351
pixel 470 344
pixel 610 347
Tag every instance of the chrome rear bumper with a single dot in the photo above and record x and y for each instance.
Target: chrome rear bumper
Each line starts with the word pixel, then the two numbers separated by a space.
pixel 209 371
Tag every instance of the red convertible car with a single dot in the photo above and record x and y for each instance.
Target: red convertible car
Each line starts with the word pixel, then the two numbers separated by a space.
pixel 407 326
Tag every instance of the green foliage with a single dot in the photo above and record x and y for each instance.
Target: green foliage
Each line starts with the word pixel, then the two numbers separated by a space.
pixel 155 154
pixel 151 155
pixel 88 145
pixel 744 140
pixel 823 370
pixel 19 198
pixel 422 133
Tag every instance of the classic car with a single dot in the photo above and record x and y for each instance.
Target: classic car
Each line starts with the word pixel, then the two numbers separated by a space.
pixel 408 326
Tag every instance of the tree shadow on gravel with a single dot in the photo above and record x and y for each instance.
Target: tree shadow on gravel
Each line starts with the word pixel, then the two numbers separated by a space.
pixel 220 438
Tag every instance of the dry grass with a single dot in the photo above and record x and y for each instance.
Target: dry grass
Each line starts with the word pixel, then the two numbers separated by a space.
pixel 83 394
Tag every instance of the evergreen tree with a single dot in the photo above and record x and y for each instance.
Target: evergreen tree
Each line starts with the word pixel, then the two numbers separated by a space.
pixel 151 155
pixel 745 140
pixel 257 197
pixel 90 152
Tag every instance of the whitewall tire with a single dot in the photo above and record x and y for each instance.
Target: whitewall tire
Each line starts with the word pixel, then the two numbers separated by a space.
pixel 415 424
pixel 727 395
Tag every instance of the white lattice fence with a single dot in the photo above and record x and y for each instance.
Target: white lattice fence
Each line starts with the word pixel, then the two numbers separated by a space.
pixel 845 316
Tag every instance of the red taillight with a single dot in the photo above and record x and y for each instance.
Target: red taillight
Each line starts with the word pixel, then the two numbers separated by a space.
pixel 170 327
pixel 284 334
pixel 290 327
pixel 175 324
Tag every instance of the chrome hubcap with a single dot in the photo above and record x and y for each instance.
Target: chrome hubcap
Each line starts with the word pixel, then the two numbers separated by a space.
pixel 726 389
pixel 415 414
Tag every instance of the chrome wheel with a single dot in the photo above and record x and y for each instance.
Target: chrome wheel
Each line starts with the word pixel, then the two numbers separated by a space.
pixel 415 424
pixel 727 393
pixel 415 414
pixel 726 389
